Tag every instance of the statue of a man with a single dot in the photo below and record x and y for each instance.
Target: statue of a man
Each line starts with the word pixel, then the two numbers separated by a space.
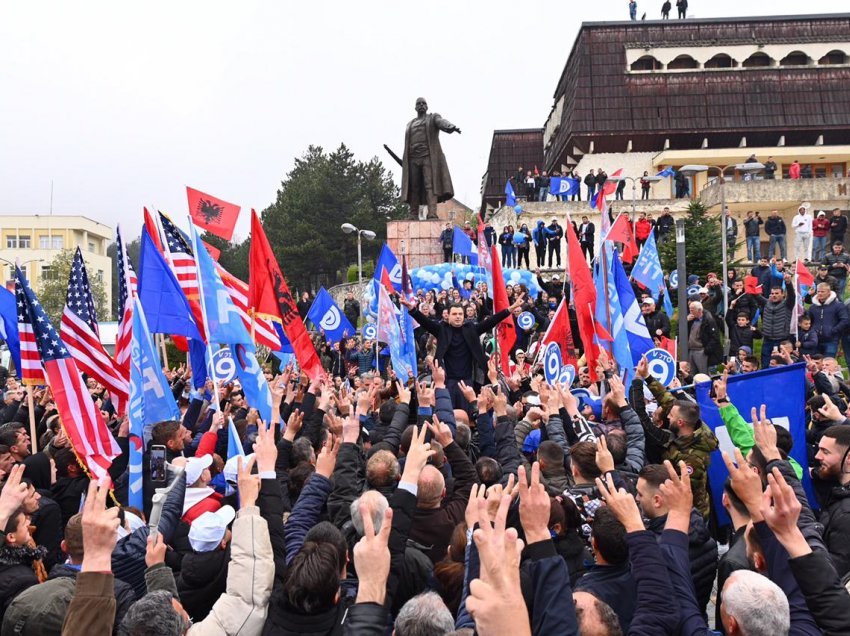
pixel 425 178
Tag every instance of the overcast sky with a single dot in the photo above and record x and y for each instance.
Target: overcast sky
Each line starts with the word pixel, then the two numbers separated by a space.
pixel 123 104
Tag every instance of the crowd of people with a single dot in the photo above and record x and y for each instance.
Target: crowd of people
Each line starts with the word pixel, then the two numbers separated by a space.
pixel 471 498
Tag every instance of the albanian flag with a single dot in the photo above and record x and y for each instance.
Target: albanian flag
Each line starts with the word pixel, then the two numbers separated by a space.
pixel 212 214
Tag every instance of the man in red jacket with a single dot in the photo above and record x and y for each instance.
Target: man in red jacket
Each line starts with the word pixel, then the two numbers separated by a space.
pixel 643 228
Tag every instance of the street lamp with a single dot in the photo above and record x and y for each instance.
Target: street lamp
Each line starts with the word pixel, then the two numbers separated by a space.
pixel 650 179
pixel 749 167
pixel 13 264
pixel 682 288
pixel 348 228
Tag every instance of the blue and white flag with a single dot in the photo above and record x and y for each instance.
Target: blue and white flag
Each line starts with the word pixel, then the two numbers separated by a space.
pixel 647 268
pixel 253 380
pixel 389 262
pixel 565 186
pixel 638 335
pixel 151 399
pixel 224 324
pixel 234 444
pixel 389 332
pixel 463 246
pixel 407 351
pixel 608 312
pixel 327 316
pixel 510 195
pixel 667 172
pixel 783 390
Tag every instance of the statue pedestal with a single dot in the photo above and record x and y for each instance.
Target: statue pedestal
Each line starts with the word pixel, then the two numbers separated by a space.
pixel 421 241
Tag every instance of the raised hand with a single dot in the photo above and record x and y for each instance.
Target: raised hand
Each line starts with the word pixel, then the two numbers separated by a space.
pixel 403 391
pixel 830 411
pixel 467 391
pixel 604 458
pixel 13 494
pixel 781 511
pixel 765 435
pixel 424 394
pixel 265 450
pixel 100 525
pixel 621 503
pixel 720 394
pixel 438 374
pixel 417 455
pixel 293 425
pixel 326 461
pixel 534 505
pixel 746 483
pixel 372 558
pixel 441 431
pixel 678 497
pixel 248 484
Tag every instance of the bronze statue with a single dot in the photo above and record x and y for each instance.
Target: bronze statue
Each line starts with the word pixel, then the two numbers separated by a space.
pixel 425 178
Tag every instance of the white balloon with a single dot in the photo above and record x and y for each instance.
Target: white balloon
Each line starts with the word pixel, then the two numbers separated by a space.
pixel 446 284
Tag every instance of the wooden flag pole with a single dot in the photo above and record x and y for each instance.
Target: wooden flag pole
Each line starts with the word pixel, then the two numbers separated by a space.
pixel 31 408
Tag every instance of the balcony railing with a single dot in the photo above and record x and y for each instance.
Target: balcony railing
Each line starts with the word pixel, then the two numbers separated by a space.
pixel 835 190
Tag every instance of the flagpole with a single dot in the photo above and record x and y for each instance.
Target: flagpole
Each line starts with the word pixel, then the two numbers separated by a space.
pixel 607 297
pixel 194 235
pixel 164 349
pixel 31 408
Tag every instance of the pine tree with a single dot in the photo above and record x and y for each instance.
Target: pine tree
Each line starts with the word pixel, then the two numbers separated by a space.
pixel 703 250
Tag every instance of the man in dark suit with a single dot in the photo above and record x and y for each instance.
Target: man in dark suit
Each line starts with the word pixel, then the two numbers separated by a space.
pixel 585 237
pixel 459 348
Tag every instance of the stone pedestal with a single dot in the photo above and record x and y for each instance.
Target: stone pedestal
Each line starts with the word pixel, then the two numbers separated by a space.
pixel 421 241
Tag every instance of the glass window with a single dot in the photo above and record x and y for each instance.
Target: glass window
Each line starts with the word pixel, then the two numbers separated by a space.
pixel 100 275
pixel 11 242
pixel 43 242
pixel 57 242
pixel 47 272
pixel 91 246
pixel 24 242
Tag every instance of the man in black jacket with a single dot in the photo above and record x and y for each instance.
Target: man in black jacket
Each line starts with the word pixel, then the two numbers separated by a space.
pixel 554 234
pixel 657 322
pixel 702 549
pixel 351 309
pixel 832 483
pixel 837 226
pixel 775 228
pixel 586 236
pixel 664 226
pixel 459 348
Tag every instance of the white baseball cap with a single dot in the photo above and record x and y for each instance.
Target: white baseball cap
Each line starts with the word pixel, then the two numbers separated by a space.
pixel 195 468
pixel 231 467
pixel 208 530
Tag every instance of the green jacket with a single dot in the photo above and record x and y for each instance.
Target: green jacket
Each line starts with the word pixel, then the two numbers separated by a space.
pixel 741 433
pixel 695 450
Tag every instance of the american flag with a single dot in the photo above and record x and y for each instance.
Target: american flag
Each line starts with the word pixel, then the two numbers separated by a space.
pixel 180 256
pixel 90 438
pixel 264 331
pixel 80 333
pixel 127 284
pixel 31 370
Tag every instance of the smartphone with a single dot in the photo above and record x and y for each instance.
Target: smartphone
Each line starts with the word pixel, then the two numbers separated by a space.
pixel 158 464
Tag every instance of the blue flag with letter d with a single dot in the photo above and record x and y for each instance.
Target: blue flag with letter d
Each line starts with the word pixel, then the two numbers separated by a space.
pixel 783 390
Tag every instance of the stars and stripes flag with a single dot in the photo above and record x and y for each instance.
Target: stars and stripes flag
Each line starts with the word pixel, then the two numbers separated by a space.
pixel 127 287
pixel 31 370
pixel 80 333
pixel 89 436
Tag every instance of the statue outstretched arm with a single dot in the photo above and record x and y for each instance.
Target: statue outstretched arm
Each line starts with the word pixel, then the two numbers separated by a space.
pixel 445 125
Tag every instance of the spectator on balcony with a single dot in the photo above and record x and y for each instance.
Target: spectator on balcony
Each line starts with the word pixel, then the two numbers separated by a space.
pixel 522 244
pixel 769 168
pixel 542 184
pixel 538 235
pixel 632 10
pixel 590 182
pixel 751 231
pixel 643 228
pixel 794 170
pixel 665 10
pixel 601 178
pixel 682 8
pixel 820 231
pixel 530 189
pixel 837 226
pixel 554 234
pixel 731 231
pixel 519 178
pixel 664 226
pixel 644 187
pixel 621 186
pixel 506 241
pixel 681 184
pixel 806 171
pixel 577 195
pixel 586 233
pixel 802 224
pixel 775 228
pixel 838 263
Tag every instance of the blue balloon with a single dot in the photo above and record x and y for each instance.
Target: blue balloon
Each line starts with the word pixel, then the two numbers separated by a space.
pixel 518 209
pixel 520 238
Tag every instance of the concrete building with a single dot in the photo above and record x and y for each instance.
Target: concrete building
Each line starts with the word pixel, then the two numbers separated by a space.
pixel 648 95
pixel 36 239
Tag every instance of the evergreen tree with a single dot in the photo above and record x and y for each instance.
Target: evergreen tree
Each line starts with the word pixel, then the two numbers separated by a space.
pixel 322 192
pixel 703 250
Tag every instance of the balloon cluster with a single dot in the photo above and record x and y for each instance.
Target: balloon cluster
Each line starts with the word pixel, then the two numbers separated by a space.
pixel 439 277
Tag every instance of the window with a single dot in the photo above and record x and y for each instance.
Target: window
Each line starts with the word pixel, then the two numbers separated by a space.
pixel 11 242
pixel 683 62
pixel 795 58
pixel 47 273
pixel 43 242
pixel 756 60
pixel 721 60
pixel 24 242
pixel 100 275
pixel 646 63
pixel 91 246
pixel 834 57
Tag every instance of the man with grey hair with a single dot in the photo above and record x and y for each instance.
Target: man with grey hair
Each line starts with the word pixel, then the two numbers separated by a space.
pixel 424 615
pixel 753 605
pixel 704 348
pixel 375 503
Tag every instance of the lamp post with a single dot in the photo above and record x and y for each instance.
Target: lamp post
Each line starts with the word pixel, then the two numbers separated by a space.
pixel 691 170
pixel 682 289
pixel 13 264
pixel 635 180
pixel 348 228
